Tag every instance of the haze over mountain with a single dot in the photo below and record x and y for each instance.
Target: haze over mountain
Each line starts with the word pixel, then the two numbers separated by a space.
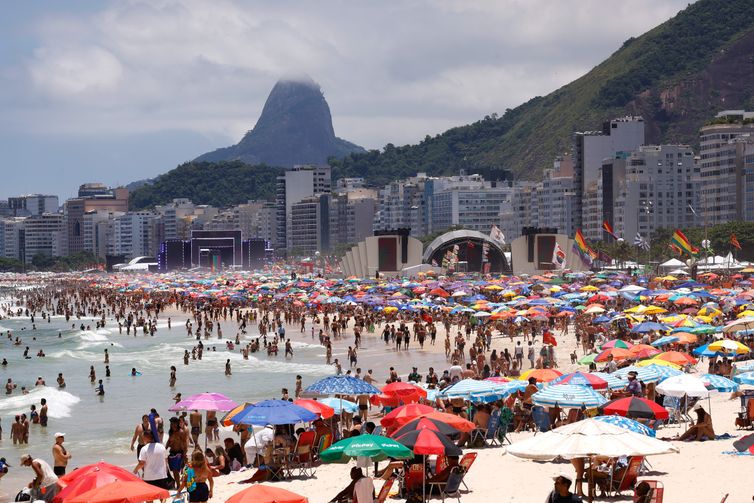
pixel 295 128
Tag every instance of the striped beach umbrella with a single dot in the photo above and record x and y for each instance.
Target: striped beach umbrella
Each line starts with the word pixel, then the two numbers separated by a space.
pixel 581 379
pixel 745 378
pixel 628 424
pixel 568 396
pixel 465 388
pixel 613 381
pixel 664 370
pixel 719 383
pixel 645 374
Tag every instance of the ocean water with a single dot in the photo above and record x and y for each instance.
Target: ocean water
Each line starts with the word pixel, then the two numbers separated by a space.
pixel 100 428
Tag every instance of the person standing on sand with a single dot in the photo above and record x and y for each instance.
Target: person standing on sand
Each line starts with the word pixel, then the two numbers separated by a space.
pixel 195 420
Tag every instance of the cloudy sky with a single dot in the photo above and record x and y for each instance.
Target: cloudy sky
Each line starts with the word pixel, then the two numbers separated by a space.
pixel 120 91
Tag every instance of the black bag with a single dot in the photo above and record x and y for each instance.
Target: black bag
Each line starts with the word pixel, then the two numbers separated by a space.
pixel 23 495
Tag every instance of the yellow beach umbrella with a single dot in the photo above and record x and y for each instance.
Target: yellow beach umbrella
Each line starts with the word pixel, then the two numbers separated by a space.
pixel 589 288
pixel 656 361
pixel 640 309
pixel 729 346
pixel 748 312
pixel 655 310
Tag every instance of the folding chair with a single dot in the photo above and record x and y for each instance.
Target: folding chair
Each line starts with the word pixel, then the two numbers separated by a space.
pixel 541 419
pixel 302 457
pixel 489 433
pixel 466 461
pixel 628 479
pixel 655 495
pixel 385 491
pixel 452 487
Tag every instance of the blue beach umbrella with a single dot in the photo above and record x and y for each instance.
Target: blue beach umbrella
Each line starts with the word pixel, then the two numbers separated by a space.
pixel 470 389
pixel 664 371
pixel 340 405
pixel 645 374
pixel 720 383
pixel 568 396
pixel 341 385
pixel 746 378
pixel 628 424
pixel 662 341
pixel 613 382
pixel 648 326
pixel 273 412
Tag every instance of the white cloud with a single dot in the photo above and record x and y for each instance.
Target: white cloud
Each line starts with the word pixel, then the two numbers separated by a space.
pixel 391 71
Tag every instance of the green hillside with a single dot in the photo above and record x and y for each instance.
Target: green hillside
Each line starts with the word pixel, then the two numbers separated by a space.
pixel 677 76
pixel 217 184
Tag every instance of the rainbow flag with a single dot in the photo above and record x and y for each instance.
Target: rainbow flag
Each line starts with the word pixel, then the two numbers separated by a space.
pixel 681 241
pixel 609 229
pixel 582 246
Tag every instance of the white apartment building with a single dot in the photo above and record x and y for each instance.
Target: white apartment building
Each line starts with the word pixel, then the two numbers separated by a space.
pixel 293 186
pixel 402 205
pixel 136 234
pixel 40 232
pixel 723 177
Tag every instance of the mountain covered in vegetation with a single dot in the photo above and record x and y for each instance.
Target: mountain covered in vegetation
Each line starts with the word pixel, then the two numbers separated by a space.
pixel 295 128
pixel 677 76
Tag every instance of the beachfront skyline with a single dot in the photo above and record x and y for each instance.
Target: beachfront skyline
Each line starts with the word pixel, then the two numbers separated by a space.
pixel 119 91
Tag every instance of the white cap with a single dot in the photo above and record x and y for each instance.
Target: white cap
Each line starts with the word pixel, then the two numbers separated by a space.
pixel 59 434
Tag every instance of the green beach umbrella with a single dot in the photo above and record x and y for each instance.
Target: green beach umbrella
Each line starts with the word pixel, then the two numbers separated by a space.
pixel 586 360
pixel 375 447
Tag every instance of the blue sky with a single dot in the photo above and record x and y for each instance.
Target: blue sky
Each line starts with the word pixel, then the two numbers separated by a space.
pixel 121 91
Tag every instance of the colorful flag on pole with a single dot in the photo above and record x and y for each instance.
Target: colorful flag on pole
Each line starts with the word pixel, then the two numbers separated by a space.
pixel 675 249
pixel 734 241
pixel 680 240
pixel 497 235
pixel 558 257
pixel 583 246
pixel 586 259
pixel 609 229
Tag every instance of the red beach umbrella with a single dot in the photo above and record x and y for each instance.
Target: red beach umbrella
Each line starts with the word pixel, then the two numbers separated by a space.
pixel 409 411
pixel 121 491
pixel 79 483
pixel 635 407
pixel 266 494
pixel 324 411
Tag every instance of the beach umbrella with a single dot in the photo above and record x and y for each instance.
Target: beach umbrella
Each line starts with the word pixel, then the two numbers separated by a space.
pixel 407 392
pixel 676 357
pixel 628 424
pixel 456 422
pixel 422 422
pixel 644 374
pixel 745 378
pixel 616 353
pixel 656 362
pixel 587 359
pixel 663 341
pixel 568 396
pixel 665 371
pixel 226 420
pixel 410 411
pixel 683 385
pixel 613 382
pixel 728 346
pixel 617 343
pixel 261 493
pixel 375 447
pixel 635 407
pixel 205 401
pixel 473 390
pixel 588 438
pixel 99 468
pixel 341 385
pixel 746 366
pixel 428 442
pixel 719 383
pixel 90 477
pixel 541 375
pixel 746 323
pixel 273 412
pixel 640 351
pixel 581 379
pixel 324 410
pixel 339 405
pixel 648 326
pixel 121 491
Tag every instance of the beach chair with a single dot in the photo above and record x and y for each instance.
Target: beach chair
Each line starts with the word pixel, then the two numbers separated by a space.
pixel 442 463
pixel 506 419
pixel 655 495
pixel 673 406
pixel 628 478
pixel 413 480
pixel 324 442
pixel 385 491
pixel 451 488
pixel 466 461
pixel 302 457
pixel 541 419
pixel 488 435
pixel 573 416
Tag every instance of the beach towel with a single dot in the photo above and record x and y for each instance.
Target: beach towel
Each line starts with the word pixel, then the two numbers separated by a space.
pixel 190 479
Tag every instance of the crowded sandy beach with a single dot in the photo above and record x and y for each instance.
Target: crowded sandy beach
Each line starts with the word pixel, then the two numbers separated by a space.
pixel 226 387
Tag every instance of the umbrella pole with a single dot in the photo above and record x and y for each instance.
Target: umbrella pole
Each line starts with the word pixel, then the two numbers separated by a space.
pixel 590 484
pixel 424 479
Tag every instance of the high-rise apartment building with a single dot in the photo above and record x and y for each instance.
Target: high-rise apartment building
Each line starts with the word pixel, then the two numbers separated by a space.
pixel 92 197
pixel 41 233
pixel 722 159
pixel 292 186
pixel 32 204
pixel 590 148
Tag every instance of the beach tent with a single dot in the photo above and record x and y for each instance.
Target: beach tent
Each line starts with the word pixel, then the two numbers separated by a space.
pixel 673 263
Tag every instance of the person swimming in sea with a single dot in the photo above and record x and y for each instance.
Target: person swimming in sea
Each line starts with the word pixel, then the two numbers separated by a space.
pixel 100 389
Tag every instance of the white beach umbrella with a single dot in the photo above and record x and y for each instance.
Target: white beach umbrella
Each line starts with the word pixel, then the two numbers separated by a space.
pixel 586 438
pixel 683 385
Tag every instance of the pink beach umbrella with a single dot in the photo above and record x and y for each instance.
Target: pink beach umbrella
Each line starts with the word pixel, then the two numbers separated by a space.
pixel 205 401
